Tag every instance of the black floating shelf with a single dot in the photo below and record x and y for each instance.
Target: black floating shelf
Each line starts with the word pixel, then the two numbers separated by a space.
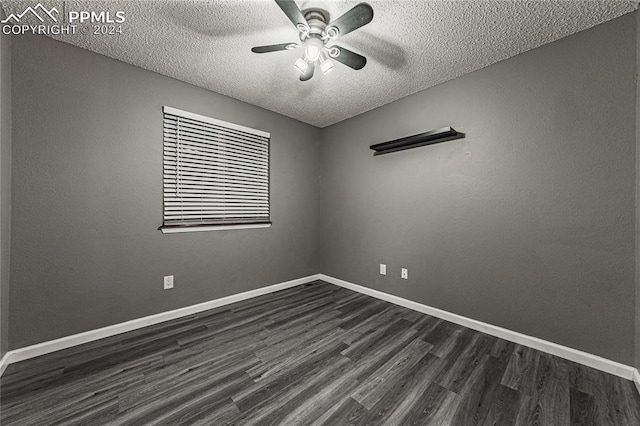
pixel 421 139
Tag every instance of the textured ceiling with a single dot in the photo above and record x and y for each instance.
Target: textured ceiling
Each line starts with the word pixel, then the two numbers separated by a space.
pixel 411 45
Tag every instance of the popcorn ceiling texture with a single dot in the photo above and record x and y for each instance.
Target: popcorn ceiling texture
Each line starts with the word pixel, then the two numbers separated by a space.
pixel 410 46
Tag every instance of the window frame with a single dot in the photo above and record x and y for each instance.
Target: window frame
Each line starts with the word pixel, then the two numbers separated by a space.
pixel 177 227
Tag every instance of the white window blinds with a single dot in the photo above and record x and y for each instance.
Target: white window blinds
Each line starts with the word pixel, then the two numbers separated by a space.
pixel 215 173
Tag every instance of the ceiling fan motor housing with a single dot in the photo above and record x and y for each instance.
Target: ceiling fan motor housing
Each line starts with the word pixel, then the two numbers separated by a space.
pixel 317 20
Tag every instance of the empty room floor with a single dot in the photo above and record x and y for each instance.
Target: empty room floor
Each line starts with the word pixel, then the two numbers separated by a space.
pixel 313 354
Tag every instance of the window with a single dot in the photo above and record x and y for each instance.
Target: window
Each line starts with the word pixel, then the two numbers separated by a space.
pixel 216 174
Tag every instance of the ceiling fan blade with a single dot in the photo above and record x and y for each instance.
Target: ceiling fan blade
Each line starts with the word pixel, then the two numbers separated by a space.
pixel 308 73
pixel 292 11
pixel 274 47
pixel 349 58
pixel 360 15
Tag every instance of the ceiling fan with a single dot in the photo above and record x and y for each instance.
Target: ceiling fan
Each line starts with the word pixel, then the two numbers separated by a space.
pixel 316 36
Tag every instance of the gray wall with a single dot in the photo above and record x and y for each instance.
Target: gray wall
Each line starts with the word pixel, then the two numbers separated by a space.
pixel 87 197
pixel 528 223
pixel 5 186
pixel 637 324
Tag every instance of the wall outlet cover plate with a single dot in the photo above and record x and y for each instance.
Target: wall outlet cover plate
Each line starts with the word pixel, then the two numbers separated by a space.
pixel 168 282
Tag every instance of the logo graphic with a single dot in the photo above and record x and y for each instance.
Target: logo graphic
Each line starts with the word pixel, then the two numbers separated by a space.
pixel 34 11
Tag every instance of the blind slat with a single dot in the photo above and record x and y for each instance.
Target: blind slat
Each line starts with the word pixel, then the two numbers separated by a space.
pixel 228 215
pixel 259 203
pixel 184 187
pixel 221 181
pixel 257 211
pixel 170 196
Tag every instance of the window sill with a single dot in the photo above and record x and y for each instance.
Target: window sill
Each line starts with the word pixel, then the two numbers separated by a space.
pixel 174 229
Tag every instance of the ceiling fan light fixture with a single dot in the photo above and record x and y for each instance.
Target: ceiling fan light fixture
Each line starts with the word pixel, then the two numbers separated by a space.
pixel 301 65
pixel 313 49
pixel 326 64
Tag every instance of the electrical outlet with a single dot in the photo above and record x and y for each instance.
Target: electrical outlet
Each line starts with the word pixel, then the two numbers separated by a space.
pixel 383 269
pixel 168 282
pixel 404 273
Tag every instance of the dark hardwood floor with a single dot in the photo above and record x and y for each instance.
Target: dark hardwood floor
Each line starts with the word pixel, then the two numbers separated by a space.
pixel 314 354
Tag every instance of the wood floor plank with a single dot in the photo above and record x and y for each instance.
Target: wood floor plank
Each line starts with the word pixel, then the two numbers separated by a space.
pixel 297 355
pixel 428 368
pixel 296 389
pixel 372 324
pixel 325 397
pixel 346 412
pixel 412 316
pixel 521 371
pixel 279 344
pixel 555 399
pixel 440 331
pixel 169 403
pixel 581 379
pixel 96 412
pixel 356 306
pixel 306 393
pixel 371 390
pixel 167 381
pixel 548 394
pixel 356 318
pixel 425 325
pixel 434 407
pixel 217 413
pixel 396 400
pixel 503 408
pixel 480 394
pixel 288 376
pixel 622 406
pixel 503 349
pixel 465 361
pixel 378 338
pixel 583 409
pixel 312 354
pixel 47 400
pixel 448 344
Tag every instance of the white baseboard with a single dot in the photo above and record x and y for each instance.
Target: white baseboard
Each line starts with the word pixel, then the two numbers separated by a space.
pixel 565 352
pixel 100 333
pixel 4 362
pixel 571 354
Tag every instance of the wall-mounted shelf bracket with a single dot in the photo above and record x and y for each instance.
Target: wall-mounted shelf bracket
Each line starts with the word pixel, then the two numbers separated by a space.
pixel 428 138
